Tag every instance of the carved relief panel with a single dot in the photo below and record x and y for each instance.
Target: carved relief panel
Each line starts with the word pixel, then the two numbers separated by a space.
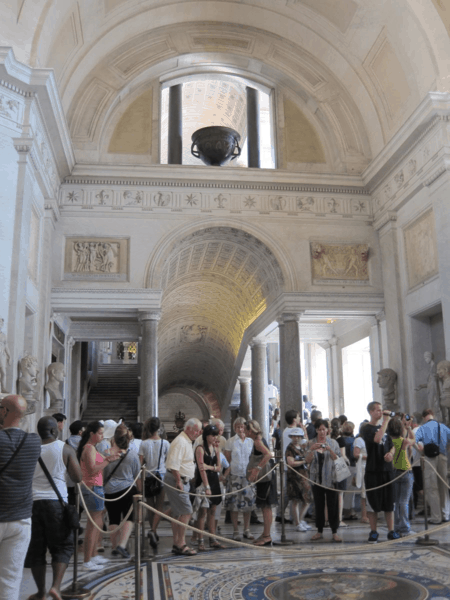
pixel 340 263
pixel 96 259
pixel 421 249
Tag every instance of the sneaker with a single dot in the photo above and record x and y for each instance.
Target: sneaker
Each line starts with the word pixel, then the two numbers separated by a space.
pixel 123 552
pixel 301 527
pixel 236 536
pixel 115 553
pixel 92 566
pixel 410 532
pixel 100 560
pixel 373 537
pixel 394 535
pixel 305 524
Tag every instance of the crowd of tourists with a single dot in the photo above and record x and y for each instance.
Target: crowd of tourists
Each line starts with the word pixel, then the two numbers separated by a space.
pixel 330 473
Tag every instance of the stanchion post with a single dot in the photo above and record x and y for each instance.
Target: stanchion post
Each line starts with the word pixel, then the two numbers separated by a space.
pixel 137 545
pixel 283 541
pixel 426 540
pixel 75 591
pixel 143 516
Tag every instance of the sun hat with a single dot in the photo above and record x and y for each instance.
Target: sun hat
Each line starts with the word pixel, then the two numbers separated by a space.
pixel 296 431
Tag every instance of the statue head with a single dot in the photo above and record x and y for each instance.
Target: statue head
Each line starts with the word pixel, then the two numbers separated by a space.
pixel 443 369
pixel 428 356
pixel 387 378
pixel 56 371
pixel 28 366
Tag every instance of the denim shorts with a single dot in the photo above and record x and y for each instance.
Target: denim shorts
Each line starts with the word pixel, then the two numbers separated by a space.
pixel 93 503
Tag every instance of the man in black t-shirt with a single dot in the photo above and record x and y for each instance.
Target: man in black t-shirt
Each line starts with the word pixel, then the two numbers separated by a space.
pixel 379 471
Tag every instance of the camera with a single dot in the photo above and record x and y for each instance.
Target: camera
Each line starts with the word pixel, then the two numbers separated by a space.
pixel 408 417
pixel 323 445
pixel 389 413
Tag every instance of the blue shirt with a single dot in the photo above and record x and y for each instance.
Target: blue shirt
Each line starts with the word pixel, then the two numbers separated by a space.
pixel 428 434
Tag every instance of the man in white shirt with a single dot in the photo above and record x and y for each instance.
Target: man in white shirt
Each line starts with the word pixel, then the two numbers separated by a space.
pixel 180 467
pixel 237 452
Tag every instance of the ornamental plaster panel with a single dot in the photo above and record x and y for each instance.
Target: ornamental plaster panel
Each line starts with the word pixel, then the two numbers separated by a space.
pixel 340 263
pixel 421 249
pixel 96 259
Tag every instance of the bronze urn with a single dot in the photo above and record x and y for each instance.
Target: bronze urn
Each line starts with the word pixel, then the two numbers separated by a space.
pixel 216 145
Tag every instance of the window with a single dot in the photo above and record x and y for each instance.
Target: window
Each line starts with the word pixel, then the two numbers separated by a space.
pixel 219 100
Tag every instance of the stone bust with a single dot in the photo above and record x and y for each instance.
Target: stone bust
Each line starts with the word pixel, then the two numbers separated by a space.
pixel 443 371
pixel 387 380
pixel 28 381
pixel 55 373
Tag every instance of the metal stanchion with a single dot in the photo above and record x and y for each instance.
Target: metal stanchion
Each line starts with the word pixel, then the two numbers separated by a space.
pixel 143 548
pixel 426 540
pixel 137 508
pixel 75 590
pixel 283 541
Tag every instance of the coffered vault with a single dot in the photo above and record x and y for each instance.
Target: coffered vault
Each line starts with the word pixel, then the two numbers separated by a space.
pixel 215 283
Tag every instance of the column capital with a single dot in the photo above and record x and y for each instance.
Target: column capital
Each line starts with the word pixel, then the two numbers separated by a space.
pixel 257 341
pixel 154 315
pixel 333 341
pixel 244 380
pixel 289 317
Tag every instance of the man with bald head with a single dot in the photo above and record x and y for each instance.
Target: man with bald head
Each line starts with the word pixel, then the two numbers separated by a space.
pixel 19 453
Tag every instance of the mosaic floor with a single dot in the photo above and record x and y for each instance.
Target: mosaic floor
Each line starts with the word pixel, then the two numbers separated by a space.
pixel 412 573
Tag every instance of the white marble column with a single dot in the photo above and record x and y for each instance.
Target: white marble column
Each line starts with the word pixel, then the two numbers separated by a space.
pixel 334 377
pixel 440 196
pixel 259 404
pixel 149 364
pixel 244 406
pixel 290 370
pixel 375 358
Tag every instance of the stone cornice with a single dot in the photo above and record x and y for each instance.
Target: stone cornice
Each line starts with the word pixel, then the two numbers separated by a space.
pixel 388 216
pixel 439 168
pixel 105 301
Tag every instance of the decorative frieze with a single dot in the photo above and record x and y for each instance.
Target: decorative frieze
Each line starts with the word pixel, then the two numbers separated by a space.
pixel 420 249
pixel 140 198
pixel 340 263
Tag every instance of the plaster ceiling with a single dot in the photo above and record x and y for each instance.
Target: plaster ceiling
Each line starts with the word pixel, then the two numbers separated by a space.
pixel 215 283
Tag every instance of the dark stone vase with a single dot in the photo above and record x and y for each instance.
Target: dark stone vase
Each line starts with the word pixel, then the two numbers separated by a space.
pixel 216 145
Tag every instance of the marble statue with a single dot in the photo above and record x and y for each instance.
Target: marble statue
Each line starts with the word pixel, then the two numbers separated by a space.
pixel 432 386
pixel 443 371
pixel 28 381
pixel 387 380
pixel 56 374
pixel 5 357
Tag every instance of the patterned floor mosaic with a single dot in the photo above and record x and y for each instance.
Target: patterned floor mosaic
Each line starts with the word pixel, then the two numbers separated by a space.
pixel 413 574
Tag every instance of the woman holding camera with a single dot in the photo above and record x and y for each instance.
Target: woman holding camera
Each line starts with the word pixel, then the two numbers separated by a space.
pixel 403 483
pixel 322 452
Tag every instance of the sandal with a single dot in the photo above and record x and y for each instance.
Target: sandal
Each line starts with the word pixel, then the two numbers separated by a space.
pixel 336 538
pixel 184 551
pixel 201 545
pixel 216 545
pixel 263 541
pixel 316 536
pixel 248 535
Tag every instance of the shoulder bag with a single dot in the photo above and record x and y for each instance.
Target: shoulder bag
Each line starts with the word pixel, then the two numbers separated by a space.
pixel 108 478
pixel 263 474
pixel 153 483
pixel 431 450
pixel 70 513
pixel 340 470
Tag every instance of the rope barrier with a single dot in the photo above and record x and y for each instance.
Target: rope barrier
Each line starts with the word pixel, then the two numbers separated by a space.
pixel 437 473
pixel 305 552
pixel 349 491
pixel 111 499
pixel 110 531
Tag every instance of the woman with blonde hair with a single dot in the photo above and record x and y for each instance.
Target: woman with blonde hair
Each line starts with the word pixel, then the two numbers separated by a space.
pixel 266 491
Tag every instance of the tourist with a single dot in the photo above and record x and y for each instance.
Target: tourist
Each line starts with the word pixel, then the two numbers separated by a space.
pixel 298 487
pixel 92 465
pixel 266 491
pixel 180 470
pixel 119 476
pixel 240 495
pixel 49 531
pixel 19 452
pixel 321 454
pixel 379 471
pixel 208 461
pixel 153 453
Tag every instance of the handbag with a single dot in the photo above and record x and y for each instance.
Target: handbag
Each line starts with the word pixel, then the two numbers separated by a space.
pixel 340 470
pixel 431 450
pixel 153 484
pixel 70 514
pixel 263 475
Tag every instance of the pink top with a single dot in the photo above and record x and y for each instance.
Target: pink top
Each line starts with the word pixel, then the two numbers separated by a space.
pixel 91 480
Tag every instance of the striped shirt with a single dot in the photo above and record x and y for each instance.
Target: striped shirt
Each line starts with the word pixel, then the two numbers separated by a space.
pixel 16 498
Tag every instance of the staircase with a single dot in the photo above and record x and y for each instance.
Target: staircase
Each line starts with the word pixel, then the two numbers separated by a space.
pixel 116 394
